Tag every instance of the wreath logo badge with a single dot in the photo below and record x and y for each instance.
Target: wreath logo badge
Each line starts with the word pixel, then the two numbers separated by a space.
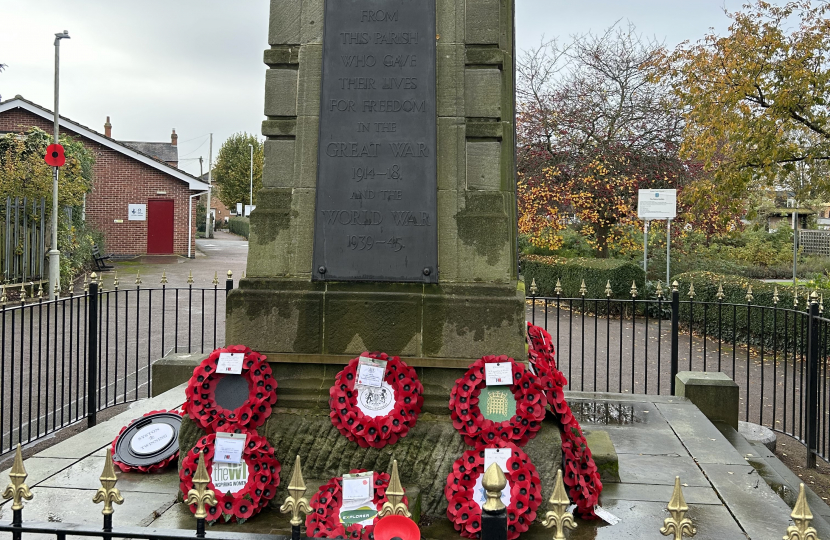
pixel 375 399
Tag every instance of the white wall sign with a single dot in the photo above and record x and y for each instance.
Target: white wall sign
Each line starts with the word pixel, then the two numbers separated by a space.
pixel 138 212
pixel 657 204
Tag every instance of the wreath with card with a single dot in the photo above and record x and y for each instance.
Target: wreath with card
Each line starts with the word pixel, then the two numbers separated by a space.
pixel 214 400
pixel 381 411
pixel 243 489
pixel 148 444
pixel 324 521
pixel 511 412
pixel 465 495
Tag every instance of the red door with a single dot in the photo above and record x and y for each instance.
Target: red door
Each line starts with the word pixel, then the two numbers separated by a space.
pixel 160 226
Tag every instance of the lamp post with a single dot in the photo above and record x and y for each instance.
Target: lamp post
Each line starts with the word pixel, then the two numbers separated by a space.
pixel 54 253
pixel 251 196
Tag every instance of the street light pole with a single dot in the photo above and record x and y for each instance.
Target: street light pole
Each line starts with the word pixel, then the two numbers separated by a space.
pixel 54 253
pixel 251 196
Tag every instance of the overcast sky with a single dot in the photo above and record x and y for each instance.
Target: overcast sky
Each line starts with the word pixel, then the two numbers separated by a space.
pixel 196 65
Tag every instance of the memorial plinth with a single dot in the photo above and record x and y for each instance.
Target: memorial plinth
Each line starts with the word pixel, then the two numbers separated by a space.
pixel 387 218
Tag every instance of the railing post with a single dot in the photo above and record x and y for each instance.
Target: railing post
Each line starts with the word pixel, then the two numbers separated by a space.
pixel 229 283
pixel 812 382
pixel 493 512
pixel 675 329
pixel 92 352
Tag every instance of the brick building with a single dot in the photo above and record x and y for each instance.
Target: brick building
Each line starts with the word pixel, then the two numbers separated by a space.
pixel 127 175
pixel 221 213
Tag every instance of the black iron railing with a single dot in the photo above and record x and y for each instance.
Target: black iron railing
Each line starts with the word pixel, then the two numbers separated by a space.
pixel 64 360
pixel 777 355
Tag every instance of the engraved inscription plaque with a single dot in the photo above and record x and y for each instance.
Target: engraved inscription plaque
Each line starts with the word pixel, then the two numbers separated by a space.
pixel 376 213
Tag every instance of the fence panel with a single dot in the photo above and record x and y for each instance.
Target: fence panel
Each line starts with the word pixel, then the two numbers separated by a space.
pixel 22 240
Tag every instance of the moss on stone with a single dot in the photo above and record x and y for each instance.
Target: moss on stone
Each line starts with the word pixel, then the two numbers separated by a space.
pixel 483 225
pixel 273 214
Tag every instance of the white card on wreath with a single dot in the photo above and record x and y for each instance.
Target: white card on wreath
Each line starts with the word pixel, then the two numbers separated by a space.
pixel 371 371
pixel 358 487
pixel 498 373
pixel 498 456
pixel 228 447
pixel 230 363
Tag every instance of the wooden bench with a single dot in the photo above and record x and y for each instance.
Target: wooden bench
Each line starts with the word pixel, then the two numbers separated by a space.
pixel 100 260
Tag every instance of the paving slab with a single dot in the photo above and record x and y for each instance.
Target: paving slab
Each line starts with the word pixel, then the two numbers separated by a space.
pixel 758 510
pixel 627 440
pixel 99 437
pixel 657 493
pixel 39 469
pixel 269 521
pixel 616 412
pixel 85 474
pixel 660 470
pixel 702 439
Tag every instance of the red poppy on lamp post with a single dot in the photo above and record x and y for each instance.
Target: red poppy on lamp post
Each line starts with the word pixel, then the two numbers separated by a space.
pixel 55 156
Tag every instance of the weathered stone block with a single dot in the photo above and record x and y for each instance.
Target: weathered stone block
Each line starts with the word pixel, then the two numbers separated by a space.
pixel 284 127
pixel 484 56
pixel 311 24
pixel 484 166
pixel 449 22
pixel 482 21
pixel 451 152
pixel 449 75
pixel 484 233
pixel 281 55
pixel 311 65
pixel 302 231
pixel 305 160
pixel 477 129
pixel 714 393
pixel 281 92
pixel 448 236
pixel 284 24
pixel 604 454
pixel 173 370
pixel 482 93
pixel 278 171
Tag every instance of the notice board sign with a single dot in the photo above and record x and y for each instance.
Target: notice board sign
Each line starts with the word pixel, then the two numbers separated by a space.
pixel 657 204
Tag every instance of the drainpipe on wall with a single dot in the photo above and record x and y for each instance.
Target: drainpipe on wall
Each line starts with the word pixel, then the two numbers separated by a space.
pixel 190 221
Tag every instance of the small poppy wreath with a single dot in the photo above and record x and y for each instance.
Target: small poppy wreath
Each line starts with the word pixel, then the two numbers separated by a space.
pixel 379 431
pixel 261 486
pixel 155 467
pixel 324 519
pixel 525 491
pixel 468 419
pixel 201 392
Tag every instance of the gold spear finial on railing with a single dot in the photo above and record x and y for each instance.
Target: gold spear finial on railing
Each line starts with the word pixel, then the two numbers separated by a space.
pixel 40 291
pixel 230 274
pixel 101 282
pixel 795 296
pixel 775 297
pixel 802 516
pixel 394 506
pixel 814 297
pixel 493 484
pixel 86 283
pixel 295 502
pixel 691 291
pixel 720 295
pixel 115 279
pixel 633 290
pixel 190 278
pixel 108 493
pixel 678 524
pixel 215 281
pixel 164 277
pixel 675 286
pixel 749 296
pixel 558 517
pixel 608 290
pixel 17 490
pixel 659 292
pixel 22 294
pixel 57 290
pixel 533 288
pixel 583 290
pixel 200 495
pixel 558 289
pixel 3 297
pixel 821 303
pixel 138 277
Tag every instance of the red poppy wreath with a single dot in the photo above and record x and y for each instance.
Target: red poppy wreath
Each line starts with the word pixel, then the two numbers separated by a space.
pixel 376 416
pixel 243 489
pixel 324 519
pixel 465 495
pixel 148 441
pixel 201 392
pixel 528 400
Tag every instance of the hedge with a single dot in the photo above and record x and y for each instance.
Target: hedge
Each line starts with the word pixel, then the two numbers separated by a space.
pixel 785 326
pixel 240 226
pixel 596 273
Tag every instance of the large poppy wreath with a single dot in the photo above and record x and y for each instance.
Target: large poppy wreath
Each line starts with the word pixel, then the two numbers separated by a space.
pixel 398 401
pixel 241 490
pixel 201 392
pixel 468 418
pixel 465 494
pixel 166 454
pixel 581 477
pixel 324 519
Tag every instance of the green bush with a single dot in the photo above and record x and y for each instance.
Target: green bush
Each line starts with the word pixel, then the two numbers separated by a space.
pixel 733 319
pixel 240 226
pixel 75 242
pixel 596 273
